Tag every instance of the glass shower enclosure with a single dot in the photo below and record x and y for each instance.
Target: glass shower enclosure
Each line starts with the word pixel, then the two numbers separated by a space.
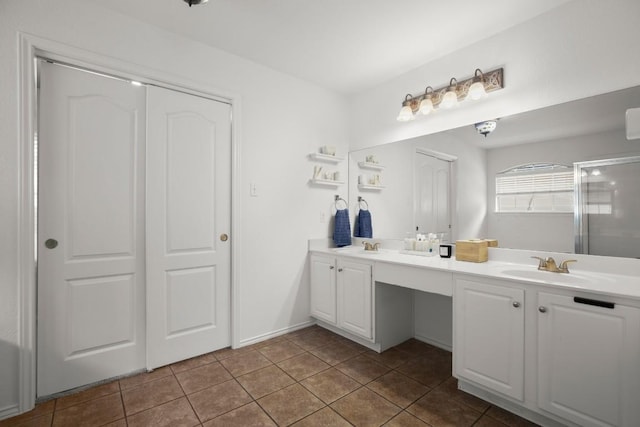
pixel 607 207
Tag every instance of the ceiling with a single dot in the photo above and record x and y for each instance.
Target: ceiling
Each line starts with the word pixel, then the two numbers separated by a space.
pixel 343 45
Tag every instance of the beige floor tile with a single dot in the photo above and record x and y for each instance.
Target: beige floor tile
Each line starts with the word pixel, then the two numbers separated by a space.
pixel 365 408
pixel 151 394
pixel 362 369
pixel 219 399
pixel 325 417
pixel 202 377
pixel 405 419
pixel 177 413
pixel 303 366
pixel 438 409
pixel 330 385
pixel 96 412
pixel 335 353
pixel 290 404
pixel 450 387
pixel 280 351
pixel 391 358
pixel 194 362
pixel 508 418
pixel 146 377
pixel 264 381
pixel 245 363
pixel 88 394
pixel 398 388
pixel 315 339
pixel 33 421
pixel 244 416
pixel 428 371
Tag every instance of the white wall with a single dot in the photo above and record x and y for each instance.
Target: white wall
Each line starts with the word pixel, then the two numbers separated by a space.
pixel 276 136
pixel 582 48
pixel 551 232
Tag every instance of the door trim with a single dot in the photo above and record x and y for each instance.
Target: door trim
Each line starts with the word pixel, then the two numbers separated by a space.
pixel 30 47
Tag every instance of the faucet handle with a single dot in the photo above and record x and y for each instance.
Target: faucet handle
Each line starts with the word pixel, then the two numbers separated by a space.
pixel 542 264
pixel 563 265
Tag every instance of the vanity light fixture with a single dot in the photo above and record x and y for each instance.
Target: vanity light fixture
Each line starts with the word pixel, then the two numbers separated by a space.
pixel 471 89
pixel 406 112
pixel 450 98
pixel 426 105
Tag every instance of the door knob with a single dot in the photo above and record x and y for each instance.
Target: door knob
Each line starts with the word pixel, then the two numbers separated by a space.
pixel 542 309
pixel 224 237
pixel 50 243
pixel 516 304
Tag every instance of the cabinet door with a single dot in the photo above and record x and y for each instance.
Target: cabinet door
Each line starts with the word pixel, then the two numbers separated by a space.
pixel 588 369
pixel 489 336
pixel 354 298
pixel 323 288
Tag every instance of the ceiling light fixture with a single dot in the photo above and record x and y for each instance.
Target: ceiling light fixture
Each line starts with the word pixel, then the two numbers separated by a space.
pixel 486 127
pixel 196 2
pixel 471 89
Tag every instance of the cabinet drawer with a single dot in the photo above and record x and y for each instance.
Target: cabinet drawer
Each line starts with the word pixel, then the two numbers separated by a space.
pixel 437 282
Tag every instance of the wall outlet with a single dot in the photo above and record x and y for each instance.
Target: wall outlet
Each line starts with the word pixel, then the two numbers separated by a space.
pixel 323 217
pixel 253 190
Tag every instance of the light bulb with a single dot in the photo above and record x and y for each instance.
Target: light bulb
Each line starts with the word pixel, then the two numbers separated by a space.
pixel 426 106
pixel 449 100
pixel 406 114
pixel 476 91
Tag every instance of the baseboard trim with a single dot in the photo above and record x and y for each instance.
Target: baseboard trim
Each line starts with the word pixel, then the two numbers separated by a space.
pixel 277 333
pixel 9 411
pixel 433 342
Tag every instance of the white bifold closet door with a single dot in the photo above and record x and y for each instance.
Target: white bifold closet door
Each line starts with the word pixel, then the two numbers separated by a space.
pixel 91 249
pixel 134 196
pixel 188 218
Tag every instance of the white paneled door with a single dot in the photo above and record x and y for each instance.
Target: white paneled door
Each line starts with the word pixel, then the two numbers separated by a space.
pixel 90 228
pixel 188 218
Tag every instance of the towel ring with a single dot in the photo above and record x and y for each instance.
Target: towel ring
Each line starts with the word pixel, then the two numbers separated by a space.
pixel 361 201
pixel 338 199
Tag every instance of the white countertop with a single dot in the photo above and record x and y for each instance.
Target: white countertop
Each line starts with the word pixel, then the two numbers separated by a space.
pixel 619 277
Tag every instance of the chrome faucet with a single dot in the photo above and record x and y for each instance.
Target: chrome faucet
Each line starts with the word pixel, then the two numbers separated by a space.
pixel 549 264
pixel 370 246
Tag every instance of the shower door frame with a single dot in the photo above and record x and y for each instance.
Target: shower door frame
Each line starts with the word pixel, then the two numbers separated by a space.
pixel 581 234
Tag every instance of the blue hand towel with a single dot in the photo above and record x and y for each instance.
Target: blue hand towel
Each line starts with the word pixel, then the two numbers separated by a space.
pixel 342 230
pixel 364 228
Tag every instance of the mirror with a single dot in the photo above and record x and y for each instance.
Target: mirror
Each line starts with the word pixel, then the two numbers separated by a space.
pixel 584 130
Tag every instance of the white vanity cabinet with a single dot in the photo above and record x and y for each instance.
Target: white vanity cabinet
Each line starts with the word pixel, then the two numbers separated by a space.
pixel 342 294
pixel 354 298
pixel 489 334
pixel 588 367
pixel 323 288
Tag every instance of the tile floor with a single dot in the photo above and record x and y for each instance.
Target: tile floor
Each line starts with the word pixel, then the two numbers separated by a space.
pixel 310 377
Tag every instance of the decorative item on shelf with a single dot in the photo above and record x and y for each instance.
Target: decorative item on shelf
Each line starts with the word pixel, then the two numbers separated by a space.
pixel 472 89
pixel 328 150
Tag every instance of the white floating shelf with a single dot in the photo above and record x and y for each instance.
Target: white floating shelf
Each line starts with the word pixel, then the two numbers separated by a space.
pixel 370 187
pixel 326 182
pixel 326 158
pixel 373 166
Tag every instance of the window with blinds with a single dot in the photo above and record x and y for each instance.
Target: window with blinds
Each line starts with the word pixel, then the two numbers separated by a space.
pixel 535 188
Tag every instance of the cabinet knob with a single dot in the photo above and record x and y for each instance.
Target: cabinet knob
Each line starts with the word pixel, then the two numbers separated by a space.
pixel 542 309
pixel 339 269
pixel 331 267
pixel 516 304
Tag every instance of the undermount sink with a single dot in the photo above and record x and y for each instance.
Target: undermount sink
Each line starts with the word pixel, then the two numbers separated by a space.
pixel 548 276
